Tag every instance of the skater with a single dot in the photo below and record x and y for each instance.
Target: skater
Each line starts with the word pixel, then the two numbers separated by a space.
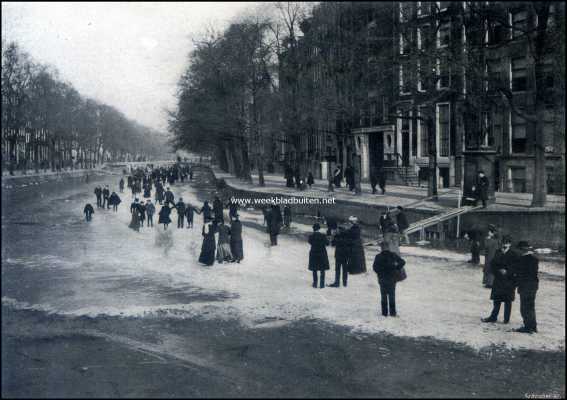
pixel 503 285
pixel 105 197
pixel 232 209
pixel 150 211
pixel 207 212
pixel 218 210
pixel 310 180
pixel 147 191
pixel 224 253
pixel 386 264
pixel 357 261
pixel 342 252
pixel 98 194
pixel 181 208
pixel 189 213
pixel 318 260
pixel 208 248
pixel 274 223
pixel 88 211
pixel 114 200
pixel 159 193
pixel 164 215
pixel 135 211
pixel 525 274
pixel 287 216
pixel 169 197
pixel 142 208
pixel 236 239
pixel 491 246
pixel 121 185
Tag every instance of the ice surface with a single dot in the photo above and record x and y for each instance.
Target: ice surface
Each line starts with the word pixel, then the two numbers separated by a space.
pixel 442 297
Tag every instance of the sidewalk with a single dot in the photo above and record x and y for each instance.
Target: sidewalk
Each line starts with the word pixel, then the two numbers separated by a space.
pixel 396 195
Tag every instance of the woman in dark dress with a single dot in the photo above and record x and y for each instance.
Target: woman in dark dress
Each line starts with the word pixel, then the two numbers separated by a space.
pixel 356 261
pixel 208 248
pixel 318 259
pixel 164 216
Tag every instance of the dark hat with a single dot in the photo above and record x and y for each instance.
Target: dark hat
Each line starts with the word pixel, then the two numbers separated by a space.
pixel 492 227
pixel 524 245
pixel 316 227
pixel 506 239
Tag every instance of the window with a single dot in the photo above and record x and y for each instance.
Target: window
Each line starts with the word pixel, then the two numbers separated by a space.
pixel 519 134
pixel 423 8
pixel 493 75
pixel 519 74
pixel 487 138
pixel 419 77
pixel 404 79
pixel 405 42
pixel 443 73
pixel 385 109
pixel 422 133
pixel 518 176
pixel 497 33
pixel 443 122
pixel 550 180
pixel 549 129
pixel 405 11
pixel 419 38
pixel 444 35
pixel 519 23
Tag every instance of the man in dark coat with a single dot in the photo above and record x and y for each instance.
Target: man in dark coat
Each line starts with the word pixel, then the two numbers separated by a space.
pixel 342 251
pixel 318 259
pixel 382 180
pixel 373 179
pixel 481 189
pixel 274 223
pixel 180 206
pixel 169 197
pixel 232 209
pixel 385 265
pixel 349 176
pixel 526 278
pixel 88 211
pixel 218 210
pixel 105 197
pixel 287 216
pixel 236 239
pixel 121 185
pixel 150 211
pixel 310 179
pixel 297 175
pixel 288 177
pixel 189 214
pixel 473 235
pixel 503 285
pixel 356 261
pixel 98 193
pixel 114 200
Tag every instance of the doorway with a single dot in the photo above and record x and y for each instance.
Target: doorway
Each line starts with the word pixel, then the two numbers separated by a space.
pixel 376 149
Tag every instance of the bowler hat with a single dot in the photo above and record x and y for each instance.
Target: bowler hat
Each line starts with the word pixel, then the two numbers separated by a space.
pixel 524 245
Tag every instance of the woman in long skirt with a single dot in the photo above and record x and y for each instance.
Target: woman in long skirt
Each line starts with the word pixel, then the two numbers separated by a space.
pixel 208 248
pixel 135 221
pixel 164 216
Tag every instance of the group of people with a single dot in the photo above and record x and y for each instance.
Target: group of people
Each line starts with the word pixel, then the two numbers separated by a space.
pixel 301 182
pixel 104 199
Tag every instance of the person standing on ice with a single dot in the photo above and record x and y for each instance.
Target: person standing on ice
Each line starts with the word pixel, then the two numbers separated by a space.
pixel 189 214
pixel 318 259
pixel 218 210
pixel 98 194
pixel 232 209
pixel 503 287
pixel 121 185
pixel 236 239
pixel 207 212
pixel 525 277
pixel 181 208
pixel 224 253
pixel 207 256
pixel 150 211
pixel 491 246
pixel 135 211
pixel 114 201
pixel 287 216
pixel 386 264
pixel 342 251
pixel 105 197
pixel 169 197
pixel 88 211
pixel 164 215
pixel 274 223
pixel 356 261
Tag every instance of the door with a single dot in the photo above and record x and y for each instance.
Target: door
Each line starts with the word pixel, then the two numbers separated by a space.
pixel 405 148
pixel 376 149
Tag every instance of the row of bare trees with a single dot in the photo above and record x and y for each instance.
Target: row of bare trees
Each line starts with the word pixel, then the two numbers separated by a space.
pixel 47 123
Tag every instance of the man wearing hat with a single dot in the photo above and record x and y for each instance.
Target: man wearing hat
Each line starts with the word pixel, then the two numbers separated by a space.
pixel 525 274
pixel 342 252
pixel 318 260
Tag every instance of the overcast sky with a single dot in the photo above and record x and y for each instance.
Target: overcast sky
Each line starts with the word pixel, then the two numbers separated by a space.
pixel 128 55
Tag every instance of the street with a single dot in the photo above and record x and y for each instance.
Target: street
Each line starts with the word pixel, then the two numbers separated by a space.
pixel 96 309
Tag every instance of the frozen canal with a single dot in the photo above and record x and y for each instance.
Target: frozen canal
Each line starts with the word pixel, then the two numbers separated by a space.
pixel 55 263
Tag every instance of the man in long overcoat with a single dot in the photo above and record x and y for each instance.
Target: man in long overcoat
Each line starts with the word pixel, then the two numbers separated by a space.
pixel 503 287
pixel 236 239
pixel 274 223
pixel 98 194
pixel 481 188
pixel 342 245
pixel 356 260
pixel 526 278
pixel 385 265
pixel 318 259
